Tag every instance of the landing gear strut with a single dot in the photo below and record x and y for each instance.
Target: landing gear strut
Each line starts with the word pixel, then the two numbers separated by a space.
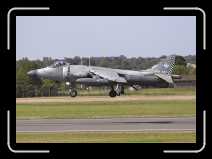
pixel 117 92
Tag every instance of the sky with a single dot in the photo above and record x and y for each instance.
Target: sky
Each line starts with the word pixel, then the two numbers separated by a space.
pixel 132 36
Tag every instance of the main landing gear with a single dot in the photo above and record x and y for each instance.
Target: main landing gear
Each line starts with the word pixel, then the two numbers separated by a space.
pixel 117 92
pixel 112 93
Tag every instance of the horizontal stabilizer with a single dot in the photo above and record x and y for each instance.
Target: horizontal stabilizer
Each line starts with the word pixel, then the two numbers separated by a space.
pixel 176 77
pixel 165 77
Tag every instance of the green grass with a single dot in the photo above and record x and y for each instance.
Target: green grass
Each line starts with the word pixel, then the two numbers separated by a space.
pixel 145 91
pixel 112 137
pixel 164 91
pixel 106 109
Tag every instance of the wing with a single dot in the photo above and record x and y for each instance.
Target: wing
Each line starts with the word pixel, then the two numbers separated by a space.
pixel 108 74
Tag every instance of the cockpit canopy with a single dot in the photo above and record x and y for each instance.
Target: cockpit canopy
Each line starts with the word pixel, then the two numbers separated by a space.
pixel 59 63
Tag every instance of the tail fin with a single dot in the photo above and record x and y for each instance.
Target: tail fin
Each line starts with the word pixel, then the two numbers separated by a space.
pixel 165 66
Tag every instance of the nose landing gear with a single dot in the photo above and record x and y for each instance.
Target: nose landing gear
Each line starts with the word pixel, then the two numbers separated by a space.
pixel 72 89
pixel 72 92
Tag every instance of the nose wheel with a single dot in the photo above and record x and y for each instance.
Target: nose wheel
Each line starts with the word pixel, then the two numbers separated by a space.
pixel 72 92
pixel 72 89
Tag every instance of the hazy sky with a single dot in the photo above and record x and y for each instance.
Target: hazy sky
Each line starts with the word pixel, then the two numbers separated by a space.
pixel 69 36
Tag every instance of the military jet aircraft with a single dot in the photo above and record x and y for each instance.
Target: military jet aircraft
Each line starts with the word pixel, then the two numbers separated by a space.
pixel 159 75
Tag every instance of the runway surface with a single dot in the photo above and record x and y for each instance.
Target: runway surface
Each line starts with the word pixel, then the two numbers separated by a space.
pixel 113 125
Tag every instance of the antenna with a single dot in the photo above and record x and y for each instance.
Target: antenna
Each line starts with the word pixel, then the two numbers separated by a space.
pixel 81 61
pixel 89 61
pixel 81 86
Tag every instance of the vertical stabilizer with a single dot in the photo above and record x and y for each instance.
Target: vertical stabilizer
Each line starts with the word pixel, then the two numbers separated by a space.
pixel 165 66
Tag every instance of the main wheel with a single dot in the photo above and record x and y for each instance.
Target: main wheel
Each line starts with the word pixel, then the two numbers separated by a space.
pixel 73 93
pixel 112 93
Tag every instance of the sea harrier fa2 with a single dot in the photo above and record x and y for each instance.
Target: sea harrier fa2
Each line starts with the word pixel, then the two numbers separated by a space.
pixel 159 75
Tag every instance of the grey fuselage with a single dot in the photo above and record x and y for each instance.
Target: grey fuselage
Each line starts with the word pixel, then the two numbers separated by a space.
pixel 81 74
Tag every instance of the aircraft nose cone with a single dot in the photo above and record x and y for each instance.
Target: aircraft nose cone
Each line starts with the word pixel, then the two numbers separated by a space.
pixel 32 73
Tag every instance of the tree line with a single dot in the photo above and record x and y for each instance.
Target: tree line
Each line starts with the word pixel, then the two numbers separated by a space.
pixel 27 87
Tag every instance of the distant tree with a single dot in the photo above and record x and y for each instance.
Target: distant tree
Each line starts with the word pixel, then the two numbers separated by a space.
pixel 103 62
pixel 180 70
pixel 47 61
pixel 47 85
pixel 163 57
pixel 25 86
pixel 180 61
pixel 190 59
pixel 76 60
pixel 62 88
